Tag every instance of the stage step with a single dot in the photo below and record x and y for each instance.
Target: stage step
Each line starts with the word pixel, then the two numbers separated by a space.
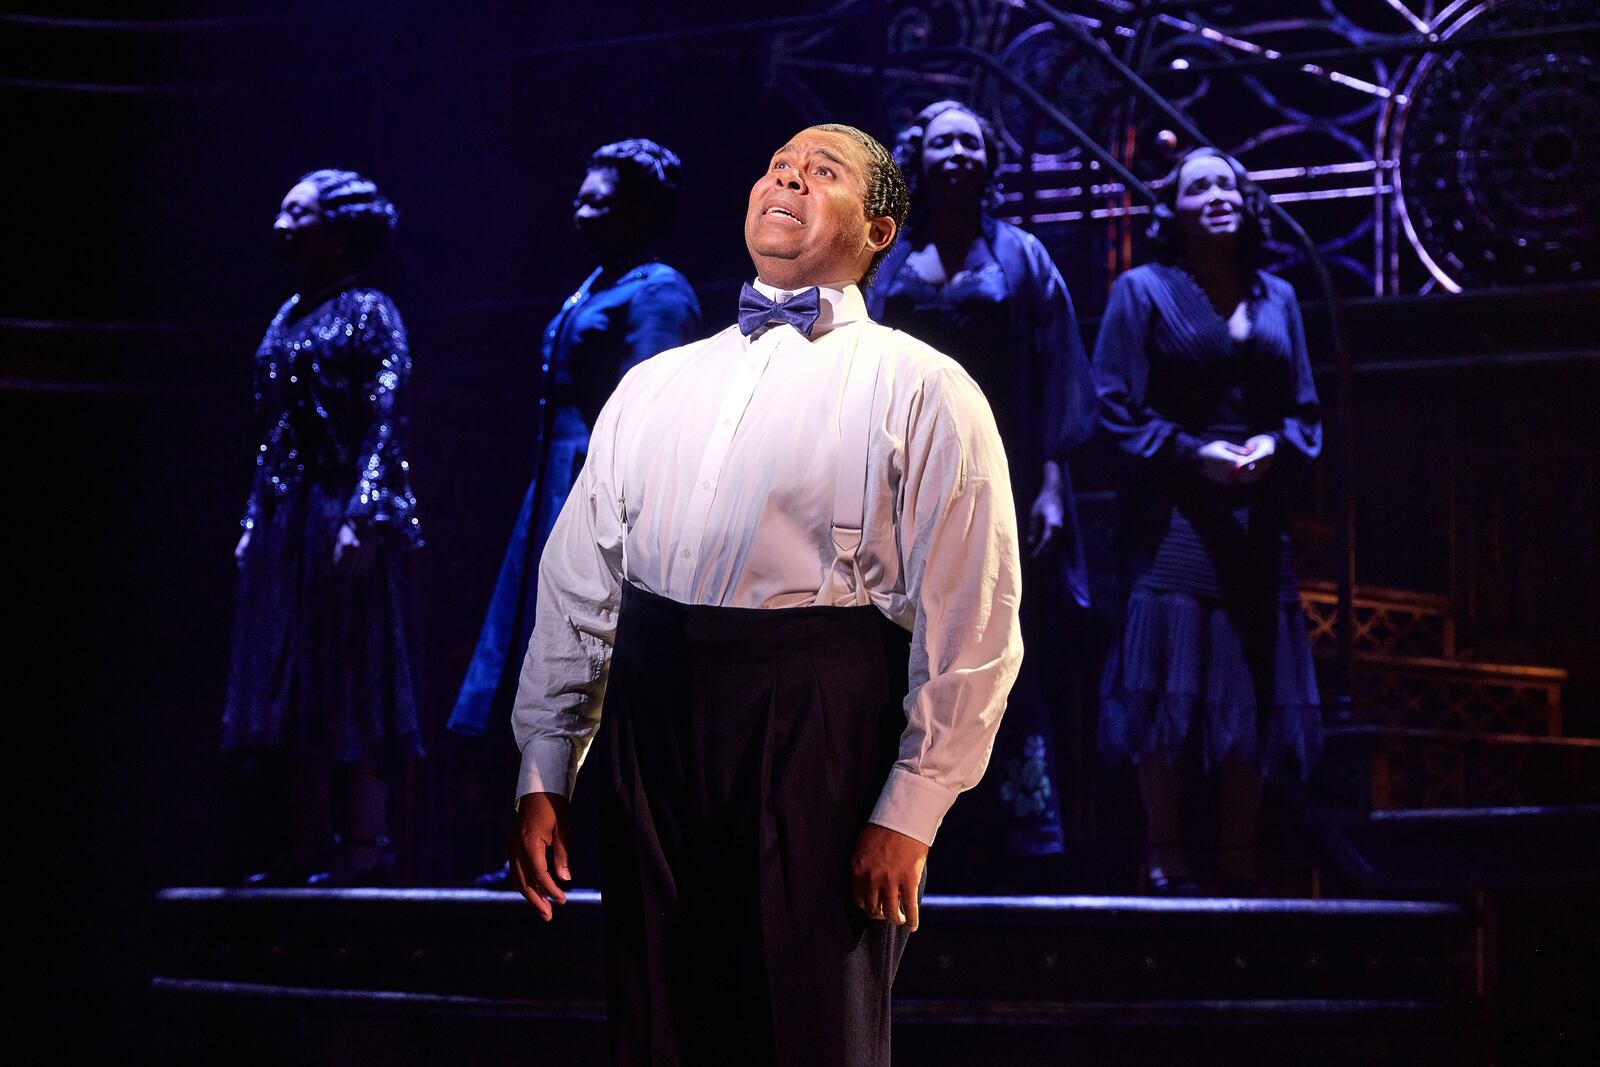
pixel 1536 847
pixel 1020 980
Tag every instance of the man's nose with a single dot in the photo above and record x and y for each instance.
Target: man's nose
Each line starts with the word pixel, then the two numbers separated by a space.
pixel 790 180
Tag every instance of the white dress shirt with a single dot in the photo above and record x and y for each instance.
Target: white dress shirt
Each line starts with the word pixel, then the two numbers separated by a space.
pixel 710 480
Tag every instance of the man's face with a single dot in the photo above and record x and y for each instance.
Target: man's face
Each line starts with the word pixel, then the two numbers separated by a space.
pixel 806 224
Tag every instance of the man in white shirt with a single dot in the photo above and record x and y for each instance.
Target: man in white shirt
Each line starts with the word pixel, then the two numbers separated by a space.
pixel 774 777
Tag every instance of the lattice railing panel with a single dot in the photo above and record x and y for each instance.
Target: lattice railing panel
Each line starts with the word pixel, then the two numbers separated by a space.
pixel 1476 698
pixel 1446 774
pixel 1386 624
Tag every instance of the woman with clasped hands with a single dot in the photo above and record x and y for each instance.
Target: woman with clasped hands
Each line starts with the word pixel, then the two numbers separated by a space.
pixel 1205 387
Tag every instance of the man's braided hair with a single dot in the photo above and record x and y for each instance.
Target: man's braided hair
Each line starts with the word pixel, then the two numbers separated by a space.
pixel 886 193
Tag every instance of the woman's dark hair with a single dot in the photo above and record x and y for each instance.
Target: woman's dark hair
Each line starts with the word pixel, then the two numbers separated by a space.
pixel 886 195
pixel 352 207
pixel 908 153
pixel 1167 242
pixel 647 176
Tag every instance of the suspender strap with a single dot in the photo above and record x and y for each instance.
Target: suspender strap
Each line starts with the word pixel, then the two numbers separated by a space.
pixel 850 483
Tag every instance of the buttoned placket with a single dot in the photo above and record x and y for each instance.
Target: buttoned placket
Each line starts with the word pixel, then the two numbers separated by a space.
pixel 552 333
pixel 752 363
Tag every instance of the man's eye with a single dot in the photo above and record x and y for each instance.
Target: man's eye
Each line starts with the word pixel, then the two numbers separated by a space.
pixel 826 172
pixel 779 164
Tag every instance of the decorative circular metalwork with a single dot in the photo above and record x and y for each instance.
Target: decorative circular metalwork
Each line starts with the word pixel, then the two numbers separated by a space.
pixel 1457 165
pixel 1499 163
pixel 1302 130
pixel 1040 57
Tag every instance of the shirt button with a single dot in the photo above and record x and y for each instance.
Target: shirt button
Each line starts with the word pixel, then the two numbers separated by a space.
pixel 687 553
pixel 727 422
pixel 705 485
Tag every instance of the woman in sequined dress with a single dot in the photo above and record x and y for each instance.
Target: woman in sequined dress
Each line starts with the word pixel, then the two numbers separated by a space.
pixel 987 294
pixel 321 667
pixel 1206 389
pixel 630 307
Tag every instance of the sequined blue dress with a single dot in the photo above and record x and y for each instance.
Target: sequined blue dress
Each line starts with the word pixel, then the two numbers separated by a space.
pixel 1213 640
pixel 603 330
pixel 321 663
pixel 1011 325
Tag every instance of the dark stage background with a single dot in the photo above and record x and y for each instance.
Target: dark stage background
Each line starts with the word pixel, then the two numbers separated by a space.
pixel 139 277
pixel 143 220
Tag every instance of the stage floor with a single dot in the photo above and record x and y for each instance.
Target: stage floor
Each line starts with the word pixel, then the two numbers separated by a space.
pixel 991 979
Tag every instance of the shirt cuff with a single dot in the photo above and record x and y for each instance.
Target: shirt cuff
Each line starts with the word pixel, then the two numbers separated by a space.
pixel 912 805
pixel 546 767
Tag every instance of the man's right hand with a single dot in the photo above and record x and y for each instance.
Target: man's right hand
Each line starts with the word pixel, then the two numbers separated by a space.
pixel 540 827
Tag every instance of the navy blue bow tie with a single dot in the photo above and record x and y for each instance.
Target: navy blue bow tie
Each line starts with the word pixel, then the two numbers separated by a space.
pixel 800 311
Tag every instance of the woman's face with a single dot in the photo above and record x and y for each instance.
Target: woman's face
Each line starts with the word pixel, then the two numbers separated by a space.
pixel 953 156
pixel 302 239
pixel 601 215
pixel 1210 206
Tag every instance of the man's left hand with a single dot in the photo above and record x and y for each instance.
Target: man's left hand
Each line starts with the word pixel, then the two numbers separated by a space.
pixel 885 873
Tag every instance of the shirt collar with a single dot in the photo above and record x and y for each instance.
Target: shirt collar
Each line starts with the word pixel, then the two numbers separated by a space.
pixel 841 303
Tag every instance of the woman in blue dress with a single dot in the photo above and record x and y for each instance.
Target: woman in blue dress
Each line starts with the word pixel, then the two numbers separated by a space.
pixel 986 293
pixel 1206 389
pixel 320 670
pixel 630 307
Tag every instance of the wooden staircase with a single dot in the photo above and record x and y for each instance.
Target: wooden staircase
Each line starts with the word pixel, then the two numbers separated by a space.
pixel 1453 772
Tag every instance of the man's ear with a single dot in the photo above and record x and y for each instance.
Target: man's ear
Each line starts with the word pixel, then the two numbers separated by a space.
pixel 880 233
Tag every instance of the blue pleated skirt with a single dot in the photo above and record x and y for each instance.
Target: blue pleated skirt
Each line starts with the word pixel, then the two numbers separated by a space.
pixel 1213 641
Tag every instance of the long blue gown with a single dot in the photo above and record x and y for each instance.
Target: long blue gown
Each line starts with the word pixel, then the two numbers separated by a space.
pixel 321 664
pixel 601 332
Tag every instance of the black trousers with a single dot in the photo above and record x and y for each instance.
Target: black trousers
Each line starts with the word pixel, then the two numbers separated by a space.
pixel 746 750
